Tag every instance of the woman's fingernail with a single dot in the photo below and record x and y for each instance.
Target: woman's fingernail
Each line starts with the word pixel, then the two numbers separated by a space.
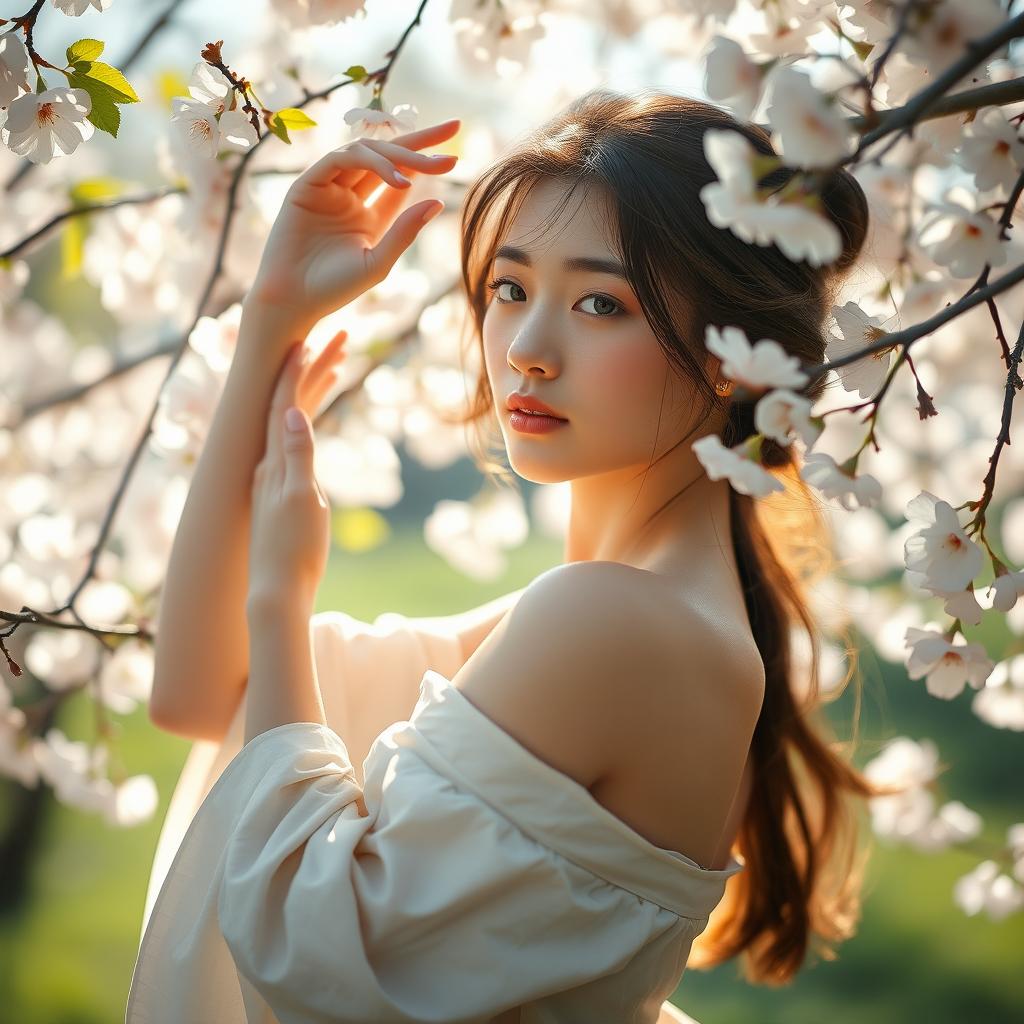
pixel 432 212
pixel 399 176
pixel 293 419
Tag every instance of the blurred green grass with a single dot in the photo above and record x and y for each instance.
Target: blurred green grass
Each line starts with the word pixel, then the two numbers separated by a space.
pixel 68 958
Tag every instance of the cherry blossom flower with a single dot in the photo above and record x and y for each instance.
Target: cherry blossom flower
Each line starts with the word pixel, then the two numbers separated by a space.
pixel 988 889
pixel 236 131
pixel 48 124
pixel 367 123
pixel 810 131
pixel 1006 588
pixel 196 125
pixel 302 13
pixel 960 239
pixel 744 475
pixel 821 470
pixel 474 535
pixel 1000 702
pixel 731 202
pixel 946 666
pixel 991 149
pixel 211 86
pixel 73 8
pixel 781 413
pixel 499 34
pixel 857 330
pixel 940 550
pixel 960 604
pixel 941 33
pixel 15 68
pixel 765 364
pixel 912 765
pixel 870 20
pixel 954 823
pixel 731 77
pixel 785 25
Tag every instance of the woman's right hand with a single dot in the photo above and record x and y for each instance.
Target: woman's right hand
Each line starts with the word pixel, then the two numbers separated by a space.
pixel 326 247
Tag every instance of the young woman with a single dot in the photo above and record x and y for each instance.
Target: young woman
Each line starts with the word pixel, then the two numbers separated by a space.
pixel 530 811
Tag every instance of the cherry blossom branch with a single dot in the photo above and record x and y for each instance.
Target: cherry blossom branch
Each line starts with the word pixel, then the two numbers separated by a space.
pixel 147 37
pixel 994 94
pixel 908 335
pixel 102 205
pixel 379 77
pixel 901 28
pixel 1013 385
pixel 903 120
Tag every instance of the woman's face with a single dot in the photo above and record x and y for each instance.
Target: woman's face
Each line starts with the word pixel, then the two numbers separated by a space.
pixel 576 339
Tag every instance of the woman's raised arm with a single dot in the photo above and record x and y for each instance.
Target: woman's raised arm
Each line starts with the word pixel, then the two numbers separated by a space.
pixel 333 240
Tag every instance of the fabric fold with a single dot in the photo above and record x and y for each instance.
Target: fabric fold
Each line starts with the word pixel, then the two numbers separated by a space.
pixel 483 886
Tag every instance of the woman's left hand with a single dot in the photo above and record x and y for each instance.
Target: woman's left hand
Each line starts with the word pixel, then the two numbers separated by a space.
pixel 291 516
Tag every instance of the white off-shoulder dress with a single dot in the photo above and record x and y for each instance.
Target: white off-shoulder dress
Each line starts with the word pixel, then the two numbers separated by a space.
pixel 483 885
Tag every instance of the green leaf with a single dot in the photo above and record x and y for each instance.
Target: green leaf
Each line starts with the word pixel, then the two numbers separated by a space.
pixel 110 77
pixel 104 114
pixel 357 72
pixel 292 117
pixel 40 84
pixel 84 49
pixel 279 129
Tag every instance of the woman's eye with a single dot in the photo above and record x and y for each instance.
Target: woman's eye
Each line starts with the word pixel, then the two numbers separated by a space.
pixel 604 306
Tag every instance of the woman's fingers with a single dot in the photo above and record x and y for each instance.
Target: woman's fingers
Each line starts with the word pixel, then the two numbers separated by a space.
pixel 320 378
pixel 362 159
pixel 285 391
pixel 406 162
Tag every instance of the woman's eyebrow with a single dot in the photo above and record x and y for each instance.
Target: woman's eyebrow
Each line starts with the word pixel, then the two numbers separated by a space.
pixel 593 264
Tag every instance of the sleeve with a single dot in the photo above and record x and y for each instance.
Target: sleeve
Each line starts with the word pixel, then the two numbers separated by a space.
pixel 369 675
pixel 434 907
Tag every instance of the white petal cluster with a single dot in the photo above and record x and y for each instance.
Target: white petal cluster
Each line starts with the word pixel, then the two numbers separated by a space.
pixel 731 77
pixel 991 150
pixel 765 364
pixel 810 131
pixel 732 202
pixel 74 8
pixel 857 330
pixel 305 13
pixel 944 558
pixel 743 473
pixel 501 35
pixel 473 536
pixel 366 123
pixel 912 765
pixel 988 889
pixel 15 68
pixel 203 126
pixel 782 413
pixel 1000 703
pixel 76 774
pixel 852 492
pixel 960 238
pixel 41 126
pixel 946 666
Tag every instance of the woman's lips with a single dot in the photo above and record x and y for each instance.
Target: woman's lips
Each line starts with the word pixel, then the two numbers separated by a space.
pixel 534 423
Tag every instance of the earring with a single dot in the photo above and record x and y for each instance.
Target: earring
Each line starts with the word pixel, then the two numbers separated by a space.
pixel 724 387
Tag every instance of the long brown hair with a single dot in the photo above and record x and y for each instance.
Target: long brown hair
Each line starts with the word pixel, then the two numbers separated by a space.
pixel 798 837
